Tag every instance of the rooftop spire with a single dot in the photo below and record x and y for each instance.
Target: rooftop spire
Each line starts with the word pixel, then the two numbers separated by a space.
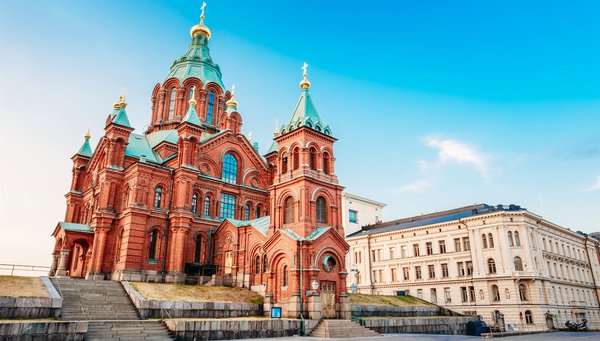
pixel 304 84
pixel 191 116
pixel 87 135
pixel 86 149
pixel 201 28
pixel 232 103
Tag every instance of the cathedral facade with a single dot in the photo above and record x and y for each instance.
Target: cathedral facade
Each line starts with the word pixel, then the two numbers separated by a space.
pixel 192 195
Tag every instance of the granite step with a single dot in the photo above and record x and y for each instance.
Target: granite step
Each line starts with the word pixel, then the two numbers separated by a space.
pixel 341 329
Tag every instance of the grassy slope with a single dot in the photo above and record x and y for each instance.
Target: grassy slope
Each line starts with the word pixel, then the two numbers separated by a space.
pixel 389 300
pixel 194 293
pixel 17 286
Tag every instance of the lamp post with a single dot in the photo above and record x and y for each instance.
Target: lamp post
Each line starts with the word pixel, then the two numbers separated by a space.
pixel 314 285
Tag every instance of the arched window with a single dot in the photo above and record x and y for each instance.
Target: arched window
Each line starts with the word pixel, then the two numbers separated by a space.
pixel 207 206
pixel 523 292
pixel 490 240
pixel 197 248
pixel 325 163
pixel 152 247
pixel 247 213
pixel 518 264
pixel 288 210
pixel 495 293
pixel 230 169
pixel 484 241
pixel 517 241
pixel 194 203
pixel 265 264
pixel 507 294
pixel 172 99
pixel 210 107
pixel 491 266
pixel 158 198
pixel 257 265
pixel 284 163
pixel 296 158
pixel 285 276
pixel 257 212
pixel 321 210
pixel 192 94
pixel 510 239
pixel 313 159
pixel 528 317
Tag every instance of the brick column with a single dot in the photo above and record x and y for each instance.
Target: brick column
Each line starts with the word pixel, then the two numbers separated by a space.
pixel 176 256
pixel 100 234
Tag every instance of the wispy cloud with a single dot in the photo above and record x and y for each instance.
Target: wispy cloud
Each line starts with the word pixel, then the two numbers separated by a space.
pixel 595 186
pixel 450 150
pixel 415 187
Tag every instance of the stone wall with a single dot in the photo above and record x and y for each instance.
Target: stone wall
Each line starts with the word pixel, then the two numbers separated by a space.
pixel 402 311
pixel 219 330
pixel 166 309
pixel 418 325
pixel 32 307
pixel 49 331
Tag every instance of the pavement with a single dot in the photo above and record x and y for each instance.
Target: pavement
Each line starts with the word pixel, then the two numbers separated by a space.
pixel 558 336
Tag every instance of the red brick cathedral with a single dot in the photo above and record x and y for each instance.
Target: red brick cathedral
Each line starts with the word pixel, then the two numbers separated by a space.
pixel 192 195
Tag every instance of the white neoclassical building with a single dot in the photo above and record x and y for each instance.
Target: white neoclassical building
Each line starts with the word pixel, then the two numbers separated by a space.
pixel 502 262
pixel 359 211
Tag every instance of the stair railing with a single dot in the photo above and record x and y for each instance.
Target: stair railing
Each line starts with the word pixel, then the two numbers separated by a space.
pixel 164 311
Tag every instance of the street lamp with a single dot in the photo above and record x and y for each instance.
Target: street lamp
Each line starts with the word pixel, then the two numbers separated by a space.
pixel 314 284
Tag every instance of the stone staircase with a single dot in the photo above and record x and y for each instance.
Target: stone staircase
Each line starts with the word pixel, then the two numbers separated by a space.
pixel 109 310
pixel 341 329
pixel 94 300
pixel 128 330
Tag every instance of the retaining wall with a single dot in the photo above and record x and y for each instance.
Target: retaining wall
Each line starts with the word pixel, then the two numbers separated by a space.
pixel 154 309
pixel 51 331
pixel 418 325
pixel 32 307
pixel 402 311
pixel 236 329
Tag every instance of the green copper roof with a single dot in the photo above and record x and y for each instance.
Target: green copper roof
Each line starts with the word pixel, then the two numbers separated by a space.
pixel 73 227
pixel 119 116
pixel 86 149
pixel 318 232
pixel 139 147
pixel 197 63
pixel 191 116
pixel 306 114
pixel 274 147
pixel 156 137
pixel 260 224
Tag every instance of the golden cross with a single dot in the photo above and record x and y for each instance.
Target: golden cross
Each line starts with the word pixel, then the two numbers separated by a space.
pixel 304 67
pixel 232 90
pixel 202 7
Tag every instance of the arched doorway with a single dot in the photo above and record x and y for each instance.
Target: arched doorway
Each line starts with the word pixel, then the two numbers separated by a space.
pixel 78 262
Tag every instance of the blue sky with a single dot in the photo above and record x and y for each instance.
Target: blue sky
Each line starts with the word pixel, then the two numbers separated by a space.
pixel 436 104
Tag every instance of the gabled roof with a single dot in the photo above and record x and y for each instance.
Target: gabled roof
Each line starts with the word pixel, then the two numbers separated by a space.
pixel 119 116
pixel 260 224
pixel 139 147
pixel 86 149
pixel 191 116
pixel 156 137
pixel 73 227
pixel 274 147
pixel 318 232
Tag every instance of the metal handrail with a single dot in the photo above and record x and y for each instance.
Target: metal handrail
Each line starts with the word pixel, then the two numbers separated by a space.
pixel 23 267
pixel 162 309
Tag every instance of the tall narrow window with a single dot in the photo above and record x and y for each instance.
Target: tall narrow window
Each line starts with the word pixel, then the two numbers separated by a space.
pixel 484 241
pixel 197 248
pixel 257 265
pixel 230 169
pixel 284 163
pixel 194 203
pixel 510 239
pixel 490 240
pixel 207 206
pixel 313 159
pixel 172 99
pixel 321 211
pixel 210 107
pixel 518 264
pixel 158 198
pixel 523 292
pixel 528 317
pixel 517 241
pixel 288 210
pixel 491 266
pixel 192 94
pixel 227 206
pixel 495 293
pixel 257 212
pixel 247 213
pixel 325 163
pixel 152 247
pixel 296 158
pixel 285 276
pixel 265 264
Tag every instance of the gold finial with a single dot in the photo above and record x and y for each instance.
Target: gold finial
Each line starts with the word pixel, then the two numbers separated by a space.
pixel 87 135
pixel 201 28
pixel 120 103
pixel 192 102
pixel 304 84
pixel 232 102
pixel 276 132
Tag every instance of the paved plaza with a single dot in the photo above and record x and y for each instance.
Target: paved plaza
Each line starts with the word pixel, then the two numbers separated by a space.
pixel 428 337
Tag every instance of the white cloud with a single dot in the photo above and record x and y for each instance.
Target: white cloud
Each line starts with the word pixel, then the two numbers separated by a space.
pixel 595 186
pixel 456 151
pixel 416 187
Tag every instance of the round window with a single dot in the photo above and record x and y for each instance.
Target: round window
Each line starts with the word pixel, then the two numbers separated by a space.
pixel 329 263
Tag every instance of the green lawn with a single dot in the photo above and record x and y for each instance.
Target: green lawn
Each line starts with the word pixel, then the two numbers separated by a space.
pixel 194 293
pixel 389 300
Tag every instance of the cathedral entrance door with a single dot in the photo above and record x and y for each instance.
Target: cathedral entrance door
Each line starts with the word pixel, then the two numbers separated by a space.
pixel 228 262
pixel 328 300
